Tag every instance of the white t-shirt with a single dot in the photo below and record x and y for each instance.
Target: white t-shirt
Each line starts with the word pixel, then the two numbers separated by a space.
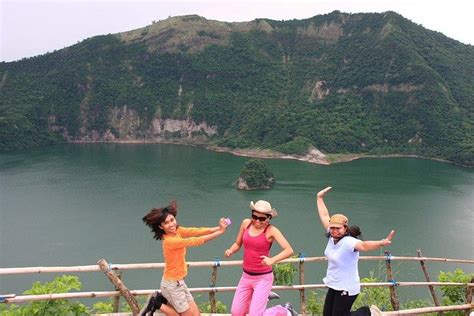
pixel 343 271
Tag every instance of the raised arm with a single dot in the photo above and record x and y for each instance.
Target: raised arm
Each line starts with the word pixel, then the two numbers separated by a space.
pixel 369 245
pixel 286 252
pixel 322 209
pixel 235 247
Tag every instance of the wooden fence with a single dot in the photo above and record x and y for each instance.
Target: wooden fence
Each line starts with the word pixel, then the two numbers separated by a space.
pixel 129 295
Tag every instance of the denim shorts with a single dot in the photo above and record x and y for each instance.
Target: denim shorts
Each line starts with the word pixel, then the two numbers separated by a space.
pixel 177 294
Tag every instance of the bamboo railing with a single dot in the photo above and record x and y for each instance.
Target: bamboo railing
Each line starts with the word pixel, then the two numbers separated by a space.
pixel 129 295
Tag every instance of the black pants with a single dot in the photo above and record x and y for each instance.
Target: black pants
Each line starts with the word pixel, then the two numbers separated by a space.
pixel 339 303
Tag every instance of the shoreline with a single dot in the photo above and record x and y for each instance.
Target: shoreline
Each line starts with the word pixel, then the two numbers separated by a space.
pixel 314 156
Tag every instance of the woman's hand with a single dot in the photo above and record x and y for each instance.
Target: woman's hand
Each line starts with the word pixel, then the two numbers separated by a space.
pixel 388 240
pixel 223 223
pixel 266 261
pixel 228 253
pixel 323 192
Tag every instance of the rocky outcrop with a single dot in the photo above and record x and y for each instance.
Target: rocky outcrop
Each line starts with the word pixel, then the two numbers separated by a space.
pixel 125 125
pixel 320 91
pixel 315 155
pixel 256 174
pixel 329 31
pixel 241 184
pixel 385 88
pixel 124 120
pixel 185 128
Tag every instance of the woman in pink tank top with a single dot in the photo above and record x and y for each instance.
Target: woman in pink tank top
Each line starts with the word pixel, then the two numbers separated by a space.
pixel 256 235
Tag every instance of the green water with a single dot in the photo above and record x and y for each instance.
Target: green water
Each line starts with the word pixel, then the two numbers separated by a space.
pixel 75 204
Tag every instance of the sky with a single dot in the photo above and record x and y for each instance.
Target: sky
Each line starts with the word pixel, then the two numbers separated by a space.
pixel 34 27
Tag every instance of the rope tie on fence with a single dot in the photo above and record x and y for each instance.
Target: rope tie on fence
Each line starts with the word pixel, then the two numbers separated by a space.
pixel 394 282
pixel 388 256
pixel 217 262
pixel 109 268
pixel 301 257
pixel 3 298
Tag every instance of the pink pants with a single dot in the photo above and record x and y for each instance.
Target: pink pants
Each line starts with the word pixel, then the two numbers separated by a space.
pixel 251 297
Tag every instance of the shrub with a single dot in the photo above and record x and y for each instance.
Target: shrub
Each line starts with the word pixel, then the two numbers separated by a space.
pixel 298 146
pixel 454 295
pixel 62 284
pixel 417 304
pixel 315 303
pixel 284 273
pixel 379 296
pixel 205 307
pixel 103 307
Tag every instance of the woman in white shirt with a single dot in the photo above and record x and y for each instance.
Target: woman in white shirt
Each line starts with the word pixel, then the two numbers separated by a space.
pixel 342 252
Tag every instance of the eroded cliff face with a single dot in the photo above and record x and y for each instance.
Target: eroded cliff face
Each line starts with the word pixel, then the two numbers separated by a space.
pixel 126 125
pixel 184 128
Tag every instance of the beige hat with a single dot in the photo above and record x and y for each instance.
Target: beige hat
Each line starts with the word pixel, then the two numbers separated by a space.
pixel 338 220
pixel 263 207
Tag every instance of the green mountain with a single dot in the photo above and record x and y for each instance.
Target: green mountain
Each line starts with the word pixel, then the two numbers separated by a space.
pixel 345 83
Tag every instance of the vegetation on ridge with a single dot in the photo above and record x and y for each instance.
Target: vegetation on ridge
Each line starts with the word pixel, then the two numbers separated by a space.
pixel 345 83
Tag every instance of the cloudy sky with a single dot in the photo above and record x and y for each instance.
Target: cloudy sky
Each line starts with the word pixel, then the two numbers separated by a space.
pixel 33 27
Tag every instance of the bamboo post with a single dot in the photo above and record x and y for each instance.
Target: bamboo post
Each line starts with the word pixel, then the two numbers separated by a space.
pixel 393 293
pixel 428 279
pixel 302 292
pixel 132 302
pixel 212 295
pixel 469 290
pixel 116 303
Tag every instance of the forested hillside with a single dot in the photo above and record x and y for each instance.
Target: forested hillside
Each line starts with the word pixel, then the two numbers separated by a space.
pixel 345 83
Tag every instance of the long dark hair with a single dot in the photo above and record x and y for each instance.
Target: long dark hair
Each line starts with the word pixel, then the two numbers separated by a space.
pixel 156 216
pixel 353 231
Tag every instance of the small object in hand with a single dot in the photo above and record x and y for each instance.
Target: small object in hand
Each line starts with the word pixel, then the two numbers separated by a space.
pixel 228 221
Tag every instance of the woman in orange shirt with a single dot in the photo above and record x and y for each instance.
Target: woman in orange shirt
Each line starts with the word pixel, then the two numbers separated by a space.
pixel 176 239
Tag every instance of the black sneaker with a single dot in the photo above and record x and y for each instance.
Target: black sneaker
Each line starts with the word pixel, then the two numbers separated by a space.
pixel 273 296
pixel 150 305
pixel 290 308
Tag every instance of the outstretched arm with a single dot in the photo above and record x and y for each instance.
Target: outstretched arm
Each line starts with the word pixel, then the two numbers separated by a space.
pixel 201 231
pixel 322 209
pixel 222 224
pixel 281 240
pixel 217 231
pixel 369 245
pixel 175 242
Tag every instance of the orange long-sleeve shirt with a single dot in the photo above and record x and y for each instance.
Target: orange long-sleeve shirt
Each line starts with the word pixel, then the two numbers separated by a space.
pixel 174 250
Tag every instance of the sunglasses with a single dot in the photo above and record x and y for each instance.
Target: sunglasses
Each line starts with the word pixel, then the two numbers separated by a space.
pixel 259 218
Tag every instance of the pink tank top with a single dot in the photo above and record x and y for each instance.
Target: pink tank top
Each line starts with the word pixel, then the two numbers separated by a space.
pixel 254 247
